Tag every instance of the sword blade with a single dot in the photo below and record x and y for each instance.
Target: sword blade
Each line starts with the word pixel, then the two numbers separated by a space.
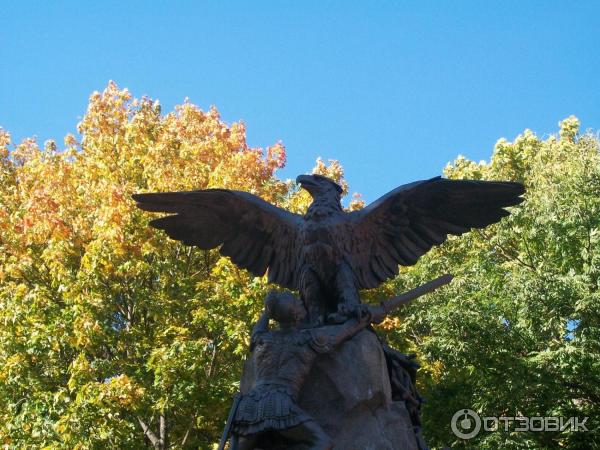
pixel 432 285
pixel 229 423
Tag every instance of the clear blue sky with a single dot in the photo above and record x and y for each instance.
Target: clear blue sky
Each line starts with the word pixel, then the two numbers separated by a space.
pixel 394 90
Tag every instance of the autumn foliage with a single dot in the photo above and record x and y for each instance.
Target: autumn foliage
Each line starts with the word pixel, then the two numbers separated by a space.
pixel 114 336
pixel 106 324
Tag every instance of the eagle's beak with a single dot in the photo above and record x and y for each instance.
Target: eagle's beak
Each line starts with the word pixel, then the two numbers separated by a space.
pixel 307 182
pixel 305 179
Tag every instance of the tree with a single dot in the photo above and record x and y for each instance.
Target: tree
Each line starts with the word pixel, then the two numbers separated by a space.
pixel 517 332
pixel 112 335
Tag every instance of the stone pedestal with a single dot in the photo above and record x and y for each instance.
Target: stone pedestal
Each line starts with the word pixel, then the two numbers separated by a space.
pixel 348 393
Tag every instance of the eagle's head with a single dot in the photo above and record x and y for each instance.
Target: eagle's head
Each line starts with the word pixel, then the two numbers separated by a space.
pixel 320 187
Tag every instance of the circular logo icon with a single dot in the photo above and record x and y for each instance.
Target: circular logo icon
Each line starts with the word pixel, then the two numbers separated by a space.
pixel 466 424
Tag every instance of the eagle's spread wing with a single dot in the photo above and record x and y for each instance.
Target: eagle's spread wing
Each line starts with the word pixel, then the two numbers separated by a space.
pixel 405 223
pixel 253 233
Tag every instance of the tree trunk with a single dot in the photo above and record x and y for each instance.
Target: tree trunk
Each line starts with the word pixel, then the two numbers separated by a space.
pixel 158 442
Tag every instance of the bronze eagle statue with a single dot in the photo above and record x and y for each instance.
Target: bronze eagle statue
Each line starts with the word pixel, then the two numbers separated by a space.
pixel 329 254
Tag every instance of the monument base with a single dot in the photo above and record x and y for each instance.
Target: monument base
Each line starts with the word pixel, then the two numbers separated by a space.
pixel 348 393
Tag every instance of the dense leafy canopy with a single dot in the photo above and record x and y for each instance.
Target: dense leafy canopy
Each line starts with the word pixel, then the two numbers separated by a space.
pixel 517 332
pixel 113 336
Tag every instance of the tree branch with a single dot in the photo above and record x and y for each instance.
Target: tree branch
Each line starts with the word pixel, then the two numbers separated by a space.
pixel 154 440
pixel 187 433
pixel 162 429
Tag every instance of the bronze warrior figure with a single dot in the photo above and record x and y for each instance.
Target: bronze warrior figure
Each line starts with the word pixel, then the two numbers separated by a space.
pixel 282 359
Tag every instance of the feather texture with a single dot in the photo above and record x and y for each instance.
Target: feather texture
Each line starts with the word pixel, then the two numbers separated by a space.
pixel 408 221
pixel 252 232
pixel 397 229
